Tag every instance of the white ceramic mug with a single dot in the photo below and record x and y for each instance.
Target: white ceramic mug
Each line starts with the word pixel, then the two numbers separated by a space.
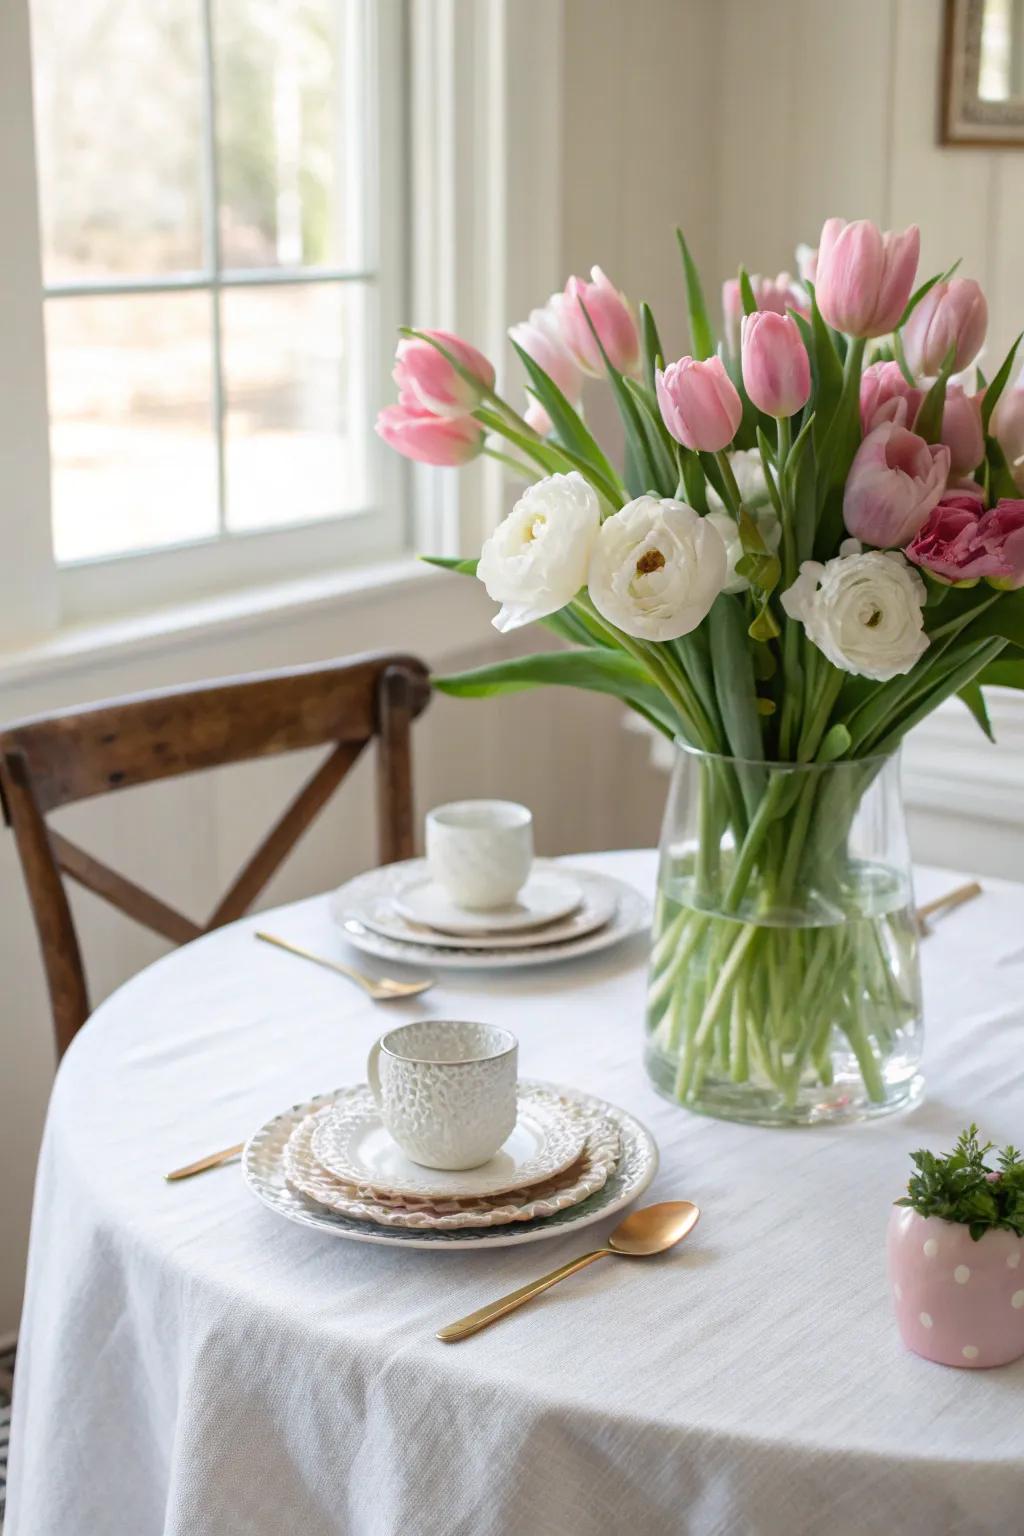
pixel 480 851
pixel 446 1090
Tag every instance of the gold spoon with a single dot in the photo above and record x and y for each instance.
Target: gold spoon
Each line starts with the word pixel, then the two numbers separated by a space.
pixel 645 1232
pixel 381 988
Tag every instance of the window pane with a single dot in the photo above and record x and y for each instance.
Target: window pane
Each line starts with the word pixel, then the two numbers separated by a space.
pixel 134 464
pixel 118 101
pixel 286 119
pixel 295 419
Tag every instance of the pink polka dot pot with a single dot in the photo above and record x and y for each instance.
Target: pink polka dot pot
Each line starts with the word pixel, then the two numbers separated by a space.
pixel 958 1302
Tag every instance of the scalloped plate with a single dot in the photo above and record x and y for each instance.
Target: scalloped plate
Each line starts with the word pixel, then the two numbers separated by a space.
pixel 264 1172
pixel 365 906
pixel 583 1178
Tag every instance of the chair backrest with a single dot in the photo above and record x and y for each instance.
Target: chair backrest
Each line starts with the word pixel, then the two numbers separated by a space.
pixel 49 761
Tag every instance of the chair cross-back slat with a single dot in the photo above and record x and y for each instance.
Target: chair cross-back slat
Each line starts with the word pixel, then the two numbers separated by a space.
pixel 76 754
pixel 285 833
pixel 121 892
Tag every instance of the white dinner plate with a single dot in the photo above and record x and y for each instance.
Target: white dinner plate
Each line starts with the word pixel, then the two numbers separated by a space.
pixel 355 1146
pixel 582 1178
pixel 361 905
pixel 264 1172
pixel 547 895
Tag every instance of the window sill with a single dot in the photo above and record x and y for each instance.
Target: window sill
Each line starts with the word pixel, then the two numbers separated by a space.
pixel 81 646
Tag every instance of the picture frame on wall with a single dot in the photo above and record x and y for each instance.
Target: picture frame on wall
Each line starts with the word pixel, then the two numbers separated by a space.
pixel 982 86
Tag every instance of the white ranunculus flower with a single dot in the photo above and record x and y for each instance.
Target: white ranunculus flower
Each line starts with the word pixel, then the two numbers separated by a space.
pixel 769 528
pixel 749 472
pixel 863 611
pixel 656 568
pixel 537 559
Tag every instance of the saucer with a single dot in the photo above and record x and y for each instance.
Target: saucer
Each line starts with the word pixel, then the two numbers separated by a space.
pixel 546 896
pixel 352 1144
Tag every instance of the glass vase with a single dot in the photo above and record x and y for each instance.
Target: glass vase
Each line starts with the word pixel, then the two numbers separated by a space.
pixel 784 984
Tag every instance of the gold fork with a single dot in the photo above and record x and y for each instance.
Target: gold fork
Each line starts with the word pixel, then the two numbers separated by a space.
pixel 382 989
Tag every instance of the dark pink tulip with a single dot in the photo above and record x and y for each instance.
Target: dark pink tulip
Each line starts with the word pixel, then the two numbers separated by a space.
pixel 952 314
pixel 885 395
pixel 425 377
pixel 895 480
pixel 776 368
pixel 699 404
pixel 430 439
pixel 962 542
pixel 865 277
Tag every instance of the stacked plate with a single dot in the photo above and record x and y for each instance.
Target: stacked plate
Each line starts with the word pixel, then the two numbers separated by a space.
pixel 572 1159
pixel 400 913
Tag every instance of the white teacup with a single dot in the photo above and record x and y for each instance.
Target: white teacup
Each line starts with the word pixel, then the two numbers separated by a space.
pixel 446 1090
pixel 480 851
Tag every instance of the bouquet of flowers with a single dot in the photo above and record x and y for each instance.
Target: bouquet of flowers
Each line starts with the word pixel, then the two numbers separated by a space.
pixel 814 539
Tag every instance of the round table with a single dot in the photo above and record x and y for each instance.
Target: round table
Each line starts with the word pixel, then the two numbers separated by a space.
pixel 191 1365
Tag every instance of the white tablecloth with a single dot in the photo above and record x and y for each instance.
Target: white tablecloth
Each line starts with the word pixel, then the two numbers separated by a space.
pixel 191 1365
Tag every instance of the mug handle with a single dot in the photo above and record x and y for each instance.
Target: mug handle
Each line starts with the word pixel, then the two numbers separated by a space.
pixel 373 1072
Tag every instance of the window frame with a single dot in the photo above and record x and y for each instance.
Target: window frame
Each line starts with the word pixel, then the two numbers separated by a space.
pixel 96 586
pixel 476 212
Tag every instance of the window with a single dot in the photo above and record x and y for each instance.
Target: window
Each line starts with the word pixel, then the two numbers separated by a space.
pixel 221 275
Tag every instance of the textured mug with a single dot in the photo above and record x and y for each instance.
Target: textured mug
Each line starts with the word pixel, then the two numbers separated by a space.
pixel 480 851
pixel 446 1090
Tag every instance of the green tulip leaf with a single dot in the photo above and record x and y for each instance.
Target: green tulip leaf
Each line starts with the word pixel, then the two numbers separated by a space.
pixel 702 338
pixel 928 423
pixel 999 383
pixel 451 563
pixel 973 697
pixel 596 669
pixel 568 425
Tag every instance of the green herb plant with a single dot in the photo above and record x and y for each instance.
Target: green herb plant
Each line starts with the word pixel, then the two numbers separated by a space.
pixel 963 1187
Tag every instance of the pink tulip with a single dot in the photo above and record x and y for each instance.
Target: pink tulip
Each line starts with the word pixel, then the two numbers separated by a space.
pixel 698 403
pixel 885 395
pixel 962 431
pixel 541 338
pixel 775 294
pixel 894 481
pixel 426 378
pixel 430 439
pixel 952 314
pixel 612 318
pixel 1007 427
pixel 864 276
pixel 962 542
pixel 776 368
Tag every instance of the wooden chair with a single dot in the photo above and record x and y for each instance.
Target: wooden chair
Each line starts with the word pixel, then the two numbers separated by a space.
pixel 72 755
